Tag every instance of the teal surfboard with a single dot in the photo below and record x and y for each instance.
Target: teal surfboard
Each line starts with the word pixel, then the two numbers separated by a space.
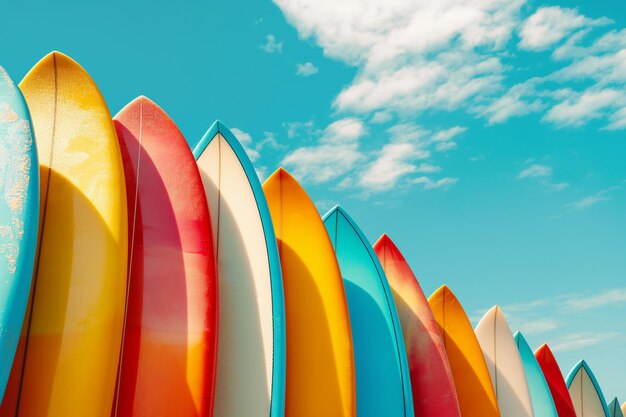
pixel 383 385
pixel 614 408
pixel 540 396
pixel 585 391
pixel 19 218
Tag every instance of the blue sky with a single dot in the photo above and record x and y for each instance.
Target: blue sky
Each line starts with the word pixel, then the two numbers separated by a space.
pixel 486 137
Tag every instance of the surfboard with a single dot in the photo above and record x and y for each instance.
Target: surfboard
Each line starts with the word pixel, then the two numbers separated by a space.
pixel 624 409
pixel 556 383
pixel 251 360
pixel 614 409
pixel 320 377
pixel 383 385
pixel 19 217
pixel 471 376
pixel 68 363
pixel 585 391
pixel 540 396
pixel 431 378
pixel 504 364
pixel 167 366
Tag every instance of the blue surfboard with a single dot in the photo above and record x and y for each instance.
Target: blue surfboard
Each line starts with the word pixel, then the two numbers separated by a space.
pixel 19 218
pixel 615 409
pixel 383 385
pixel 540 396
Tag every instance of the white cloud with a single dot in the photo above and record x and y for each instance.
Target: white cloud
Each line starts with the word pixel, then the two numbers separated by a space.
pixel 298 128
pixel 430 184
pixel 428 168
pixel 306 70
pixel 603 299
pixel 549 25
pixel 581 108
pixel 271 45
pixel 336 153
pixel 577 341
pixel 592 200
pixel 535 170
pixel 452 55
pixel 393 162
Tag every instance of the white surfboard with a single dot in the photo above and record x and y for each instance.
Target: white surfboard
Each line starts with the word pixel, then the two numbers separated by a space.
pixel 251 344
pixel 505 365
pixel 585 391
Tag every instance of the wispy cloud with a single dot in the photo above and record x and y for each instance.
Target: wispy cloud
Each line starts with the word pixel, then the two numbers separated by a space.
pixel 576 341
pixel 592 200
pixel 542 174
pixel 534 171
pixel 306 70
pixel 272 45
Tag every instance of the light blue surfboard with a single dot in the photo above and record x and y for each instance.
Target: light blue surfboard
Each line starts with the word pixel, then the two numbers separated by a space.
pixel 19 218
pixel 585 391
pixel 540 396
pixel 615 408
pixel 251 363
pixel 383 385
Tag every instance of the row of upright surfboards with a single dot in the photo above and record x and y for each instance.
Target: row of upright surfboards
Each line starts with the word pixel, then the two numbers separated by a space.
pixel 139 278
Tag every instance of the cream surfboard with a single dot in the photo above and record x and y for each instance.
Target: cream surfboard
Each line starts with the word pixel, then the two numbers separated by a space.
pixel 585 391
pixel 505 365
pixel 251 345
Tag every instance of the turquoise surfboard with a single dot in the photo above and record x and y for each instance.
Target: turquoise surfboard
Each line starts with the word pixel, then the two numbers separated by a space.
pixel 383 385
pixel 615 409
pixel 585 391
pixel 19 218
pixel 540 396
pixel 251 363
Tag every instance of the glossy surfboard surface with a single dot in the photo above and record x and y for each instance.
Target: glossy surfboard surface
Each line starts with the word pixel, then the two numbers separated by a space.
pixel 383 385
pixel 556 383
pixel 505 365
pixel 169 349
pixel 540 396
pixel 251 361
pixel 431 378
pixel 69 360
pixel 471 375
pixel 614 408
pixel 624 409
pixel 586 393
pixel 320 358
pixel 19 217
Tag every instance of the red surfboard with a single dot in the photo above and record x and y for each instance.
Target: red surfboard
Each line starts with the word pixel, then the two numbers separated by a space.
pixel 167 366
pixel 432 383
pixel 554 377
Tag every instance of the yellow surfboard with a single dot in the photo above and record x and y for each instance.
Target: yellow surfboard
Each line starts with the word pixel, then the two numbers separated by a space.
pixel 469 369
pixel 320 360
pixel 69 363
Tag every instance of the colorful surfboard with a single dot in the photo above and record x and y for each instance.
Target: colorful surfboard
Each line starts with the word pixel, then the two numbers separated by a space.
pixel 383 385
pixel 73 331
pixel 471 375
pixel 543 405
pixel 19 217
pixel 167 367
pixel 556 383
pixel 505 365
pixel 614 408
pixel 431 378
pixel 320 358
pixel 585 391
pixel 251 361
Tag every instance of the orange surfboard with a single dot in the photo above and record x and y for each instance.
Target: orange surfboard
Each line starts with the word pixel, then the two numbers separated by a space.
pixel 469 369
pixel 320 358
